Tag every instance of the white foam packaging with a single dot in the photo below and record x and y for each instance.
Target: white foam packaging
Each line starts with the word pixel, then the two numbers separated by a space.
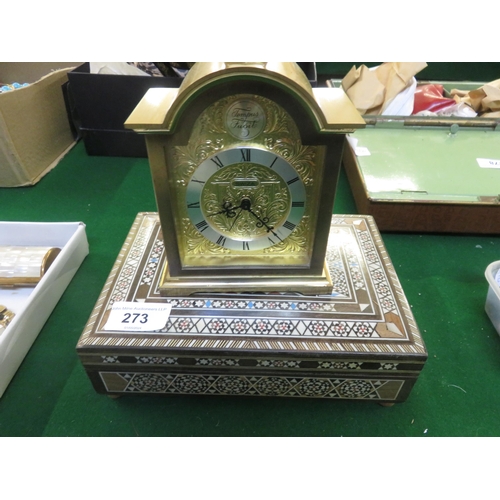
pixel 33 305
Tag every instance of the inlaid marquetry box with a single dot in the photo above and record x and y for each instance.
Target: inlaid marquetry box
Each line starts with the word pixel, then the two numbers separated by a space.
pixel 360 343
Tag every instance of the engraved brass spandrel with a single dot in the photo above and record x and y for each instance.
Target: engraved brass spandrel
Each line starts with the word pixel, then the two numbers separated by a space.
pixel 303 158
pixel 202 252
pixel 187 158
pixel 296 243
pixel 196 245
pixel 210 135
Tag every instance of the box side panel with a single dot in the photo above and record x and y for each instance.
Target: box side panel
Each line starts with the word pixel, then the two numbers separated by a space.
pixel 30 72
pixel 11 170
pixel 104 102
pixel 376 387
pixel 125 143
pixel 35 129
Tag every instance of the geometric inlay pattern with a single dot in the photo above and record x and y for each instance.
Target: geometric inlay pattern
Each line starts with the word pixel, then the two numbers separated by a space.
pixel 244 363
pixel 254 385
pixel 359 343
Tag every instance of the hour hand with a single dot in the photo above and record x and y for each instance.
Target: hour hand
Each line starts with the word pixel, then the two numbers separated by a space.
pixel 227 209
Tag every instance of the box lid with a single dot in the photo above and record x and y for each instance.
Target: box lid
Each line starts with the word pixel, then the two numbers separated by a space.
pixel 443 164
pixel 366 316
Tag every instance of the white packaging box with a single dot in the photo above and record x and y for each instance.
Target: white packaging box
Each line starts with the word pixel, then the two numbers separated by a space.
pixel 33 305
pixel 492 306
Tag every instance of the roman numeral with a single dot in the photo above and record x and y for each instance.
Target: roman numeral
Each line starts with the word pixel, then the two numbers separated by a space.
pixel 246 246
pixel 245 154
pixel 271 241
pixel 297 204
pixel 289 225
pixel 201 226
pixel 291 181
pixel 274 161
pixel 196 180
pixel 217 161
pixel 221 241
pixel 196 204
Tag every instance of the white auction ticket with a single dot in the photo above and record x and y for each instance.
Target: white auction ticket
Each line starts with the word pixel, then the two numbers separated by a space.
pixel 488 162
pixel 138 316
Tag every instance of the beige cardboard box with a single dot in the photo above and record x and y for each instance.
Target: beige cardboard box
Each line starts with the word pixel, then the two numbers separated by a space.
pixel 34 128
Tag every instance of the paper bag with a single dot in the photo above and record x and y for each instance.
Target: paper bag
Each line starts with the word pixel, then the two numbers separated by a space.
pixel 372 90
pixel 484 100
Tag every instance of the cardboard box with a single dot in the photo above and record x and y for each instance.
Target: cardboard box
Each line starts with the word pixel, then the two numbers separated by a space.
pixel 35 131
pixel 101 103
pixel 33 305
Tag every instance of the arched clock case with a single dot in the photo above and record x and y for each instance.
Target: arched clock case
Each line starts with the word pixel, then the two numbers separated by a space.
pixel 245 159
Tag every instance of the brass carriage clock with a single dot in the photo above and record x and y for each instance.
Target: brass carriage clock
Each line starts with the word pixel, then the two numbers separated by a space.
pixel 245 159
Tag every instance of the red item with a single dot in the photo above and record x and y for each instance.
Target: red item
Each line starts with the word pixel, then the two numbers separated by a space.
pixel 430 98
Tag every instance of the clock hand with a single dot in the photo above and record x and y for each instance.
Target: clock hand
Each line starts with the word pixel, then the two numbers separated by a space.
pixel 235 219
pixel 227 209
pixel 247 205
pixel 262 222
pixel 230 211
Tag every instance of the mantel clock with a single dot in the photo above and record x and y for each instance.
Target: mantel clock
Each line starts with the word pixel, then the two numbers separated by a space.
pixel 245 159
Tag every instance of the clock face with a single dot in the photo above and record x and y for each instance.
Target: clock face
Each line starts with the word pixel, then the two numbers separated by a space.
pixel 242 188
pixel 245 199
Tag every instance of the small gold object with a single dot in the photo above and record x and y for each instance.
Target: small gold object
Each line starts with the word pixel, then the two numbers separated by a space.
pixel 25 265
pixel 6 317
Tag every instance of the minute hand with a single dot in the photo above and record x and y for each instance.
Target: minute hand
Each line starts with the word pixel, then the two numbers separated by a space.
pixel 263 222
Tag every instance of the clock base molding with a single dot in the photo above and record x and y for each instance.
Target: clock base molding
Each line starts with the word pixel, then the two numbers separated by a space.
pixel 360 342
pixel 308 285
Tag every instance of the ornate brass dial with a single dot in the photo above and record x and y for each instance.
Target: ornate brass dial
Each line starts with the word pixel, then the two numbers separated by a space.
pixel 245 198
pixel 245 192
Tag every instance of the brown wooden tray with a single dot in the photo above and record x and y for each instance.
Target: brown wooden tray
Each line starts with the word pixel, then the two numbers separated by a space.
pixel 428 178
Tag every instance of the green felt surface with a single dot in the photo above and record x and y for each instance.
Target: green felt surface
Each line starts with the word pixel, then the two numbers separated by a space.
pixel 457 394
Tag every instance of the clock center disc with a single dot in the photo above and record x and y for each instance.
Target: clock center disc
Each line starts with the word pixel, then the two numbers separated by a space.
pixel 245 201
